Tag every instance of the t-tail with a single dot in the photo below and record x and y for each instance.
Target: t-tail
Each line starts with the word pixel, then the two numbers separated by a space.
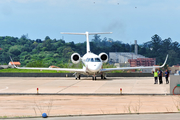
pixel 87 37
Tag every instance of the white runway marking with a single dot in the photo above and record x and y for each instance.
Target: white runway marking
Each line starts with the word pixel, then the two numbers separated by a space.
pixel 4 89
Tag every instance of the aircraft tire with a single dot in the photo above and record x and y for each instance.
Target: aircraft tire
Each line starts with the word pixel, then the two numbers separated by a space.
pixel 101 76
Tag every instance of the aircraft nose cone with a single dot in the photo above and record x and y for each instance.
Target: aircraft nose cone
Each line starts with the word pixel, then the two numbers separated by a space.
pixel 94 67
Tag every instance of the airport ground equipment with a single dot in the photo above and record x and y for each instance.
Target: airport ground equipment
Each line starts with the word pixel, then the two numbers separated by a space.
pixel 178 85
pixel 174 84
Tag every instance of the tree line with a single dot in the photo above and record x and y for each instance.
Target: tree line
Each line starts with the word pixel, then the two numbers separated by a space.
pixel 43 53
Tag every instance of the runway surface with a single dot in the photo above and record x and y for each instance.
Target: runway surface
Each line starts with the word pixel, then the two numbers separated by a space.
pixel 131 85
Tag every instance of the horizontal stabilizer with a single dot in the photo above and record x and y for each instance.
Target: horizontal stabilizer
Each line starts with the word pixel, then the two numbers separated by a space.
pixel 86 33
pixel 87 36
pixel 74 33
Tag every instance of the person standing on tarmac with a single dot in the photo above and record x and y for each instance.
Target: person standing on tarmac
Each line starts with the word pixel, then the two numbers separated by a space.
pixel 160 76
pixel 166 76
pixel 155 76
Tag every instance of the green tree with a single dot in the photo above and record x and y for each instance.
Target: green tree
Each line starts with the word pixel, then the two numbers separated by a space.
pixel 37 63
pixel 67 52
pixel 15 50
pixel 47 45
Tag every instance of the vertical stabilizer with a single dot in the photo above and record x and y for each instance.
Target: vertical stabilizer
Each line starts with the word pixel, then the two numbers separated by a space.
pixel 87 44
pixel 87 37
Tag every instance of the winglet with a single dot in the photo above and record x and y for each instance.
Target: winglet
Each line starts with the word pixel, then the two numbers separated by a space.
pixel 12 62
pixel 154 67
pixel 164 61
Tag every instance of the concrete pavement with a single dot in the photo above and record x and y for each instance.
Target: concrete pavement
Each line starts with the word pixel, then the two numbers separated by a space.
pixel 136 85
pixel 65 105
pixel 169 116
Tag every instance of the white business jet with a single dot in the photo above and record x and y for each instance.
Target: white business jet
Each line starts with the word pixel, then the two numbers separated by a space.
pixel 92 63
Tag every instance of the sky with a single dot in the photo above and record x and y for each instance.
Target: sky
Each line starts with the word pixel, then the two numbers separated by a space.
pixel 129 20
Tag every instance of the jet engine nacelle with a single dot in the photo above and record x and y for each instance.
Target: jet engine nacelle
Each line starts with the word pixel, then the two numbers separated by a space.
pixel 75 58
pixel 104 57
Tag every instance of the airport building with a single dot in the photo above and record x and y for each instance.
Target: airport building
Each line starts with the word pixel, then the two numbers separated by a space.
pixel 123 57
pixel 142 62
pixel 130 59
pixel 18 64
pixel 175 69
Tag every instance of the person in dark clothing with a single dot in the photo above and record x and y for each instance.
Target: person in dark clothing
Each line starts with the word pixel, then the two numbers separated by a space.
pixel 166 76
pixel 160 76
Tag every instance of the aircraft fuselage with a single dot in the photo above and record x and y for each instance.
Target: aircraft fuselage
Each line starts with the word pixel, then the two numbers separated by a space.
pixel 92 63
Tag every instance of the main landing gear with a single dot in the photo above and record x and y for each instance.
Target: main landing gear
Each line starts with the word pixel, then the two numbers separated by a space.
pixel 79 76
pixel 103 77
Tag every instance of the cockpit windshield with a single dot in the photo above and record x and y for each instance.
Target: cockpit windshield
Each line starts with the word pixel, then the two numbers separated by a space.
pixel 93 60
pixel 97 60
pixel 88 60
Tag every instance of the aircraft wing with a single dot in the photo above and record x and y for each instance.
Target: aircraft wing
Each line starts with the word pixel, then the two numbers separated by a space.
pixel 60 69
pixel 130 68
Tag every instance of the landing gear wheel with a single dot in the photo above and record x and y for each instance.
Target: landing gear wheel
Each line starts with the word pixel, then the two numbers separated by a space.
pixel 79 77
pixel 101 76
pixel 95 78
pixel 92 78
pixel 76 78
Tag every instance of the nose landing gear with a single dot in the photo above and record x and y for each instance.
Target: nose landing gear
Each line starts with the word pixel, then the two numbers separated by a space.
pixel 94 77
